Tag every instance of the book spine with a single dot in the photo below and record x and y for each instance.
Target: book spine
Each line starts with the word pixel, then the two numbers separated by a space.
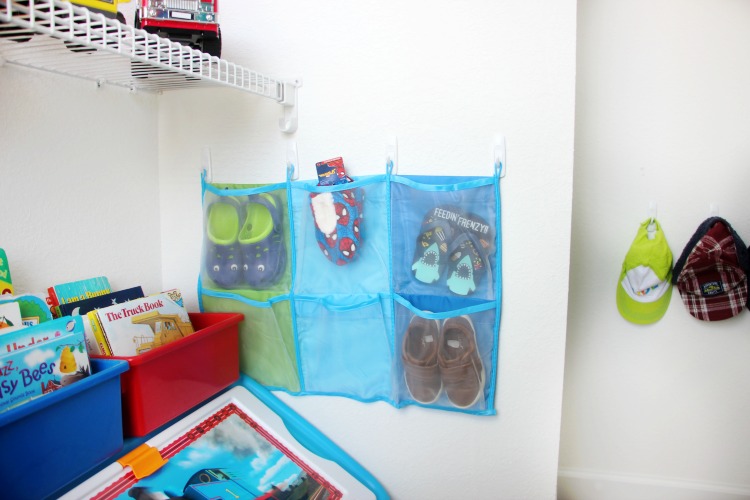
pixel 101 339
pixel 53 303
pixel 6 283
pixel 92 345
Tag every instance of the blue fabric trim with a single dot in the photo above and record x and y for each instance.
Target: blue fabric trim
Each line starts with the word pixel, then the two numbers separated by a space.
pixel 485 306
pixel 244 191
pixel 239 298
pixel 200 265
pixel 442 184
pixel 341 302
pixel 488 411
pixel 311 438
pixel 346 395
pixel 399 404
pixel 292 286
pixel 200 293
pixel 389 224
pixel 313 187
pixel 498 289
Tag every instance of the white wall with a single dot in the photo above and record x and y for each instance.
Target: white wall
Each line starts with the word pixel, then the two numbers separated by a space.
pixel 80 186
pixel 663 115
pixel 444 77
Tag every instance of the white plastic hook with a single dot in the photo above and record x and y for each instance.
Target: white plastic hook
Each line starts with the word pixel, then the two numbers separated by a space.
pixel 206 167
pixel 713 209
pixel 292 161
pixel 391 154
pixel 498 155
pixel 651 228
pixel 289 123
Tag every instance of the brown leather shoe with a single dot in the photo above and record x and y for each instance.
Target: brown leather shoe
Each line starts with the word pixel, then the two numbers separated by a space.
pixel 461 367
pixel 419 354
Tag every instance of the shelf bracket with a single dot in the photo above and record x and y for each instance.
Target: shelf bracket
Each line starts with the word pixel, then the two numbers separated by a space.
pixel 289 123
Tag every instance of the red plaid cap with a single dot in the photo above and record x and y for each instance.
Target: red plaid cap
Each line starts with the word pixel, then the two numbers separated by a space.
pixel 712 284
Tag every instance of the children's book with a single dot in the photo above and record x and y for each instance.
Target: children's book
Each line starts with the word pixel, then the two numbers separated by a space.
pixel 33 336
pixel 34 308
pixel 85 307
pixel 6 284
pixel 76 290
pixel 81 307
pixel 41 359
pixel 236 446
pixel 10 317
pixel 142 324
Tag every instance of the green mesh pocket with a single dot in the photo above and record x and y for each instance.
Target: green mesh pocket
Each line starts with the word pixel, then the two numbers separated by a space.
pixel 267 352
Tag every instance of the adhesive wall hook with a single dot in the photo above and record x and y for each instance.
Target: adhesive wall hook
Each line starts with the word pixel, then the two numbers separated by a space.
pixel 498 154
pixel 391 155
pixel 289 123
pixel 206 168
pixel 713 209
pixel 292 161
pixel 651 228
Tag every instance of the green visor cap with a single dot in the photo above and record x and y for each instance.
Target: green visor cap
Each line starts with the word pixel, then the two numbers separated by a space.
pixel 644 288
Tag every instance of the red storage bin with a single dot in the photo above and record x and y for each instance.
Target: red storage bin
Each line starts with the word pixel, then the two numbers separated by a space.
pixel 164 383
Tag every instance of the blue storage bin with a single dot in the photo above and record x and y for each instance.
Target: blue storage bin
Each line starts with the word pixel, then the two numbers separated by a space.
pixel 51 441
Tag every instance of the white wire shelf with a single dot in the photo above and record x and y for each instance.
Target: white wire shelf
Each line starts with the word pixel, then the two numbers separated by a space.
pixel 60 37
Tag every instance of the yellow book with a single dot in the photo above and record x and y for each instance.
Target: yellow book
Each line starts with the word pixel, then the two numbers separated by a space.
pixel 96 328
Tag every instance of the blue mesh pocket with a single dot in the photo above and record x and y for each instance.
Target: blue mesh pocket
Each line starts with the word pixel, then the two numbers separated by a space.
pixel 444 236
pixel 344 346
pixel 445 357
pixel 341 237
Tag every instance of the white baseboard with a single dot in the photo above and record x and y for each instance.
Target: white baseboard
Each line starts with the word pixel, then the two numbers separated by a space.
pixel 577 484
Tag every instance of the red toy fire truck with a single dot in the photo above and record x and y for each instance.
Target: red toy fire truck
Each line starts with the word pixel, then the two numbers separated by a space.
pixel 189 22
